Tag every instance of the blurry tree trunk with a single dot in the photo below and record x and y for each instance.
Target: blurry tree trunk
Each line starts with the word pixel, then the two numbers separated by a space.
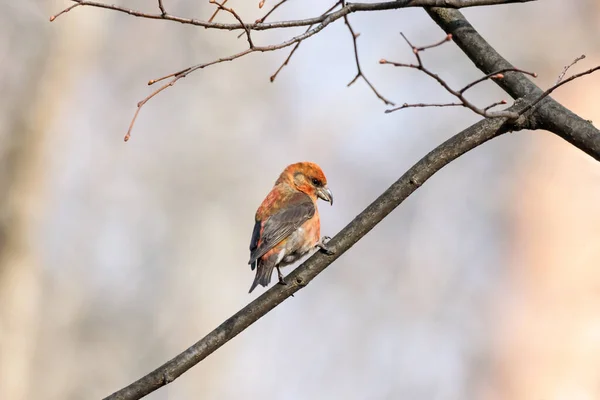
pixel 33 104
pixel 549 341
pixel 22 141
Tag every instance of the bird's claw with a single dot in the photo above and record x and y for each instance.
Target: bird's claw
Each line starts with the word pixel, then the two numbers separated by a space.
pixel 322 245
pixel 281 278
pixel 280 275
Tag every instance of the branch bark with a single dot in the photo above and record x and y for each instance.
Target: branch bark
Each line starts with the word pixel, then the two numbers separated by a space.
pixel 548 114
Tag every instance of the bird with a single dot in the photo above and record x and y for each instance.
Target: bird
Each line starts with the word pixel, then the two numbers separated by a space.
pixel 287 224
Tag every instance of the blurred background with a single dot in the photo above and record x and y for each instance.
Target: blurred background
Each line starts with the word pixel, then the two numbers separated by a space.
pixel 115 257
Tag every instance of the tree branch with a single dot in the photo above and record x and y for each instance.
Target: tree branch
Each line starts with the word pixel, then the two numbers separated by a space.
pixel 450 150
pixel 275 7
pixel 221 6
pixel 566 68
pixel 161 7
pixel 359 72
pixel 252 49
pixel 548 114
pixel 322 21
pixel 289 57
pixel 556 86
pixel 348 9
pixel 459 94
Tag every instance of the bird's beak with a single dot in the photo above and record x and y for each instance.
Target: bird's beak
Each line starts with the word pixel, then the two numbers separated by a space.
pixel 325 194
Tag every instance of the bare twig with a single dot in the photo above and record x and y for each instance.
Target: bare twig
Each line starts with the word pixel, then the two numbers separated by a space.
pixel 348 9
pixel 66 10
pixel 417 50
pixel 236 16
pixel 359 72
pixel 419 105
pixel 185 72
pixel 457 93
pixel 212 17
pixel 559 84
pixel 322 21
pixel 498 103
pixel 566 68
pixel 264 17
pixel 496 75
pixel 285 62
pixel 288 58
pixel 275 7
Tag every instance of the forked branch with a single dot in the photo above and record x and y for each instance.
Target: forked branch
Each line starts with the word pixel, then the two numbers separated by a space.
pixel 289 57
pixel 348 9
pixel 459 94
pixel 320 21
pixel 359 71
pixel 559 84
pixel 176 76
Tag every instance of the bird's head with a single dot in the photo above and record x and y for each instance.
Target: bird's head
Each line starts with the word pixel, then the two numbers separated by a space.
pixel 307 177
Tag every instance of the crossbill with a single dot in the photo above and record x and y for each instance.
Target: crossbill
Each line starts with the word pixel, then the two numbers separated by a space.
pixel 287 224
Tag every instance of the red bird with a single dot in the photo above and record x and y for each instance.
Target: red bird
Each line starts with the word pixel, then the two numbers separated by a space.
pixel 287 222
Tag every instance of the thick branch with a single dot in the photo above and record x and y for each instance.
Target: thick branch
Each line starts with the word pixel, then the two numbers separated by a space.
pixel 450 150
pixel 548 114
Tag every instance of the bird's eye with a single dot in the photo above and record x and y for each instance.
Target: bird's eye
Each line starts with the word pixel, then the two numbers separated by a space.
pixel 315 182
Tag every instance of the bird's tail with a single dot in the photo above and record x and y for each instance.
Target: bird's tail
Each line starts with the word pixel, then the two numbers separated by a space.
pixel 264 270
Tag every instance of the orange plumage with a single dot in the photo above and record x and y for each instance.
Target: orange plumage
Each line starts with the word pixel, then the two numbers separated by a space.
pixel 287 223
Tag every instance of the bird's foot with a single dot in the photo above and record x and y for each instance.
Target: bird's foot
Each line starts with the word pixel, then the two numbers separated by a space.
pixel 322 245
pixel 281 279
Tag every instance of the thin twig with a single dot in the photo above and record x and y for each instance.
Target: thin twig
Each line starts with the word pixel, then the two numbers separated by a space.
pixel 566 68
pixel 287 59
pixel 161 7
pixel 414 105
pixel 264 17
pixel 498 103
pixel 236 16
pixel 66 10
pixel 348 9
pixel 431 46
pixel 162 78
pixel 459 94
pixel 496 75
pixel 185 72
pixel 275 7
pixel 212 17
pixel 553 88
pixel 359 72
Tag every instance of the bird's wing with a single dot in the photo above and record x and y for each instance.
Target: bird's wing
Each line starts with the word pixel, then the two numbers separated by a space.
pixel 298 209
